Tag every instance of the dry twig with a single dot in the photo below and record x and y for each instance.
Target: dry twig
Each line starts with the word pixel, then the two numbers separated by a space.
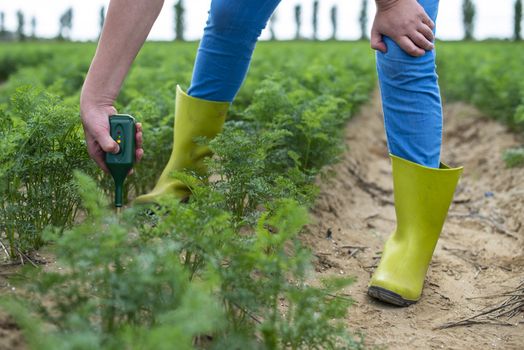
pixel 500 314
pixel 5 249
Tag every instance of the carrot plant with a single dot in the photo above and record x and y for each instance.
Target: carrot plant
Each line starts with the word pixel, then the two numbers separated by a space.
pixel 489 76
pixel 115 290
pixel 226 270
pixel 42 144
pixel 191 276
pixel 514 157
pixel 15 57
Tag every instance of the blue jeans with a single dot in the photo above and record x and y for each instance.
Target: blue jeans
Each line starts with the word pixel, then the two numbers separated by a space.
pixel 411 101
pixel 409 86
pixel 230 36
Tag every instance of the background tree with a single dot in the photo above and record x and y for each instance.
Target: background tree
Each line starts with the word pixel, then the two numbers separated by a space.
pixel 21 22
pixel 102 19
pixel 2 23
pixel 315 20
pixel 33 27
pixel 363 19
pixel 468 18
pixel 66 24
pixel 272 22
pixel 334 22
pixel 298 20
pixel 179 20
pixel 518 20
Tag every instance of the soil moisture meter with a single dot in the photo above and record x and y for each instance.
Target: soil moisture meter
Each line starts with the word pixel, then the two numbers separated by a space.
pixel 122 129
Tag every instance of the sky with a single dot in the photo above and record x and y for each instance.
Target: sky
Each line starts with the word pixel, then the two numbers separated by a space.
pixel 494 18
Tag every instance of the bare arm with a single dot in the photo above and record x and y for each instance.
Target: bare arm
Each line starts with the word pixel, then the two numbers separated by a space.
pixel 404 21
pixel 127 25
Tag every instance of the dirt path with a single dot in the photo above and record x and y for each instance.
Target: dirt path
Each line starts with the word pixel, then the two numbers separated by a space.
pixel 10 335
pixel 480 251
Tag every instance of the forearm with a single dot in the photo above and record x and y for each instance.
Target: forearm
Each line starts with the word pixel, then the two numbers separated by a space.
pixel 127 25
pixel 385 4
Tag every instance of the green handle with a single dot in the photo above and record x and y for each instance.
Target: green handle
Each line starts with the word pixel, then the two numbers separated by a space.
pixel 122 129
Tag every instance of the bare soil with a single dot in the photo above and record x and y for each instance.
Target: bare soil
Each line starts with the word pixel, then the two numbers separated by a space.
pixel 10 335
pixel 480 252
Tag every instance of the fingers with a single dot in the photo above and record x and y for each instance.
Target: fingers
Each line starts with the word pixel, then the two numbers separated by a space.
pixel 138 135
pixel 421 41
pixel 376 41
pixel 106 142
pixel 98 155
pixel 427 32
pixel 409 47
pixel 139 153
pixel 428 21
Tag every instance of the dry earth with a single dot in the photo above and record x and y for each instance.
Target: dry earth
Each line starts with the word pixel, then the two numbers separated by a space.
pixel 480 253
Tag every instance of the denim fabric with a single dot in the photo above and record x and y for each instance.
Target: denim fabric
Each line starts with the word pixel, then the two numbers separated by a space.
pixel 230 36
pixel 409 86
pixel 411 101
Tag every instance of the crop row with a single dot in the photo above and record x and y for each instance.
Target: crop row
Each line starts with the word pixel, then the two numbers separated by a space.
pixel 489 75
pixel 226 270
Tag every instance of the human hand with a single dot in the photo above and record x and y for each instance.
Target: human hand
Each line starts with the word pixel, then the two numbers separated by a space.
pixel 95 120
pixel 405 22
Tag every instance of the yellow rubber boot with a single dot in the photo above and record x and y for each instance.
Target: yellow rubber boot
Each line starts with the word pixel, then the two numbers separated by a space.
pixel 422 199
pixel 193 118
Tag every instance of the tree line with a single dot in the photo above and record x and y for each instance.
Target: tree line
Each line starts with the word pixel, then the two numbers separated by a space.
pixel 64 31
pixel 179 11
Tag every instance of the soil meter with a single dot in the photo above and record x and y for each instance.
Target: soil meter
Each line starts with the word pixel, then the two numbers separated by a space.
pixel 122 128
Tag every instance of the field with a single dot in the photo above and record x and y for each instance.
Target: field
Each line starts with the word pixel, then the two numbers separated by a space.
pixel 265 255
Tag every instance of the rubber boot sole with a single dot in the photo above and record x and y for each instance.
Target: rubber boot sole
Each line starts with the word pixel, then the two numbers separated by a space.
pixel 389 297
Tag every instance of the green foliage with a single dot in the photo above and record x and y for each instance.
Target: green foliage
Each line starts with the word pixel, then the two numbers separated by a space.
pixel 190 276
pixel 246 176
pixel 42 144
pixel 114 289
pixel 15 58
pixel 487 75
pixel 514 157
pixel 225 270
pixel 42 66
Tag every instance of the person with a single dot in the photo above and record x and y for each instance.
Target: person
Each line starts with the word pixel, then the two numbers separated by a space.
pixel 403 35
